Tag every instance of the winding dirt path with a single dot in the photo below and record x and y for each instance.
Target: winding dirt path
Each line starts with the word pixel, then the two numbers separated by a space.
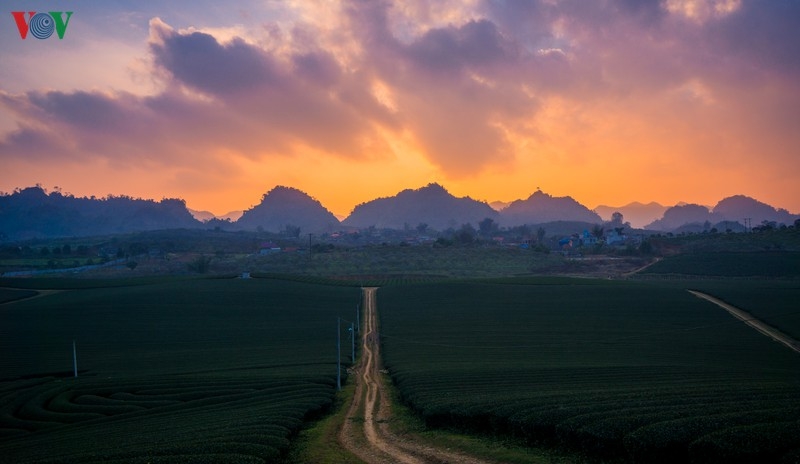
pixel 371 439
pixel 748 319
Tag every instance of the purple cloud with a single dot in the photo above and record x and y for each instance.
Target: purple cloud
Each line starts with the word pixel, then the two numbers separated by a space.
pixel 199 61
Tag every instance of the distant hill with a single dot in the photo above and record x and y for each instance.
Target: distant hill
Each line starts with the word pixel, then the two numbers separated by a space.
pixel 681 215
pixel 33 213
pixel 286 206
pixel 738 207
pixel 638 214
pixel 202 215
pixel 499 205
pixel 432 205
pixel 232 215
pixel 205 216
pixel 724 216
pixel 540 208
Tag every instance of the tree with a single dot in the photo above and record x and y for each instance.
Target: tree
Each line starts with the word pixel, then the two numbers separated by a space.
pixel 421 228
pixel 487 227
pixel 466 234
pixel 597 231
pixel 617 218
pixel 291 231
pixel 540 233
pixel 201 264
pixel 523 231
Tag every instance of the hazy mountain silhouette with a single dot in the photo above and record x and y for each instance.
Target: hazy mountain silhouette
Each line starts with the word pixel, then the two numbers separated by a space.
pixel 681 215
pixel 638 214
pixel 693 218
pixel 32 212
pixel 205 216
pixel 540 208
pixel 287 206
pixel 499 205
pixel 432 205
pixel 738 207
pixel 202 215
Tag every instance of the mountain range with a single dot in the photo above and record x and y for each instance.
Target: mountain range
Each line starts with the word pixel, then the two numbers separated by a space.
pixel 34 213
pixel 736 209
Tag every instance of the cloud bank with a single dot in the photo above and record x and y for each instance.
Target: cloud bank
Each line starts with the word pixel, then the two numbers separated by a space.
pixel 479 91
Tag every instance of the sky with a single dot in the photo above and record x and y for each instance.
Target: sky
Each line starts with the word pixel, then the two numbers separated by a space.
pixel 607 101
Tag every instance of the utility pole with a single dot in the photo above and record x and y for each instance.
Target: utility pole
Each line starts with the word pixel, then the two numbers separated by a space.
pixel 352 343
pixel 358 317
pixel 74 359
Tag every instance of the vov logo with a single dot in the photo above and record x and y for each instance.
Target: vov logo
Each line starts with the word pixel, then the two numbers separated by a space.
pixel 41 25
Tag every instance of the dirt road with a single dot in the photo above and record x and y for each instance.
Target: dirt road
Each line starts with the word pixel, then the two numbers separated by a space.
pixel 748 319
pixel 371 439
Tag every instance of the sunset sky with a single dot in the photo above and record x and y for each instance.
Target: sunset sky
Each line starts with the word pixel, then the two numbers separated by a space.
pixel 607 101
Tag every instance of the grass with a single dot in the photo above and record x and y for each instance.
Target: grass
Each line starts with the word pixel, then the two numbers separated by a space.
pixel 319 443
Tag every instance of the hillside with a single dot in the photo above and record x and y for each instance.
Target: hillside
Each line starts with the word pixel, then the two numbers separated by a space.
pixel 738 207
pixel 540 208
pixel 284 207
pixel 431 205
pixel 34 213
pixel 681 215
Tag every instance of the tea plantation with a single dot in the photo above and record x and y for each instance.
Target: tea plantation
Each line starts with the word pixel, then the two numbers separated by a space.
pixel 631 371
pixel 170 371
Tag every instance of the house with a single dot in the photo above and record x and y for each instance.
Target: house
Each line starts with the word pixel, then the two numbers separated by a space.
pixel 588 239
pixel 613 237
pixel 268 248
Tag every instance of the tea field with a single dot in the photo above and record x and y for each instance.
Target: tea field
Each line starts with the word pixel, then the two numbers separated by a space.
pixel 762 264
pixel 775 302
pixel 170 370
pixel 619 370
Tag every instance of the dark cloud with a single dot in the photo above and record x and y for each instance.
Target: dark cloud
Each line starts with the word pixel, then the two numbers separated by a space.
pixel 763 34
pixel 87 110
pixel 474 45
pixel 33 144
pixel 317 67
pixel 199 61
